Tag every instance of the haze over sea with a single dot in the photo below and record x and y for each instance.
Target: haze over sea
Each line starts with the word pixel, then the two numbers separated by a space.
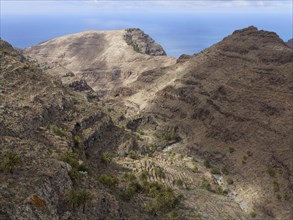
pixel 181 27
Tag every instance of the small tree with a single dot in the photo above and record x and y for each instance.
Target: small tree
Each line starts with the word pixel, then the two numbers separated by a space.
pixel 84 198
pixel 106 158
pixel 11 161
pixel 72 198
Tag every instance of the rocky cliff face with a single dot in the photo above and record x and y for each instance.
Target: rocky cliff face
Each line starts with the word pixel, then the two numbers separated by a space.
pixel 143 43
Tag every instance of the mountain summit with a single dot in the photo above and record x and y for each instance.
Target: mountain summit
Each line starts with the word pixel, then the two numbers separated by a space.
pixel 105 59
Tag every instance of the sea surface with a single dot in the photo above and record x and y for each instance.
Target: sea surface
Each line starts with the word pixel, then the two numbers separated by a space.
pixel 178 33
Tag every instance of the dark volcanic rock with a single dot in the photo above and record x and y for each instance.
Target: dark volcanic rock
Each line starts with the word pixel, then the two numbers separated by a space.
pixel 80 85
pixel 143 43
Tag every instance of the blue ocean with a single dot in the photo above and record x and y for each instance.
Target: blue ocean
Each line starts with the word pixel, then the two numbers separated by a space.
pixel 178 33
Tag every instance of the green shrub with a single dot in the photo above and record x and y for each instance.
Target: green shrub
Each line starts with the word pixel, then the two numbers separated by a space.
pixel 164 201
pixel 144 175
pixel 195 169
pixel 276 186
pixel 231 150
pixel 224 170
pixel 230 181
pixel 129 177
pixel 179 183
pixel 75 175
pixel 215 170
pixel 286 197
pixel 159 172
pixel 70 158
pixel 56 130
pixel 76 140
pixel 11 161
pixel 205 184
pixel 249 153
pixel 133 155
pixel 207 164
pixel 171 136
pixel 252 214
pixel 271 171
pixel 279 197
pixel 78 198
pixel 219 190
pixel 109 181
pixel 106 158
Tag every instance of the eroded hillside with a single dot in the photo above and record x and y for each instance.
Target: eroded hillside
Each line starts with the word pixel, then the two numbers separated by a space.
pixel 105 59
pixel 209 137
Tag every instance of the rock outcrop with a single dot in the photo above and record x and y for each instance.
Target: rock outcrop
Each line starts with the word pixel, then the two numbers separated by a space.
pixel 143 43
pixel 290 43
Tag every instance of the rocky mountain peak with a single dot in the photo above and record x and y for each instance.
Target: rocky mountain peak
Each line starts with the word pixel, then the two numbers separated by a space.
pixel 143 43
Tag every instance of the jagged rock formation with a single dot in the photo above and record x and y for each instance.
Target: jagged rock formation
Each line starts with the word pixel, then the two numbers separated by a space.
pixel 102 58
pixel 290 43
pixel 143 43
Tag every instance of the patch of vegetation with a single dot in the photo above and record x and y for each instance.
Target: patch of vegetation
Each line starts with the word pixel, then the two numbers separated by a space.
pixel 106 158
pixel 224 170
pixel 56 130
pixel 78 198
pixel 153 147
pixel 219 190
pixel 11 161
pixel 179 182
pixel 130 177
pixel 204 184
pixel 76 140
pixel 144 175
pixel 164 199
pixel 279 197
pixel 70 158
pixel 171 136
pixel 286 197
pixel 75 175
pixel 133 154
pixel 249 153
pixel 207 164
pixel 195 169
pixel 159 172
pixel 109 181
pixel 271 171
pixel 215 170
pixel 252 214
pixel 231 150
pixel 131 190
pixel 230 181
pixel 244 157
pixel 276 186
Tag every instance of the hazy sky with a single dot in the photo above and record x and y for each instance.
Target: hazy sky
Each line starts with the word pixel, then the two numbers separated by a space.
pixel 180 26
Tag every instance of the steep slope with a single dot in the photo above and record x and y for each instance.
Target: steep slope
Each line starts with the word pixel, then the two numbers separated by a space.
pixel 63 157
pixel 105 59
pixel 51 137
pixel 231 105
pixel 290 42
